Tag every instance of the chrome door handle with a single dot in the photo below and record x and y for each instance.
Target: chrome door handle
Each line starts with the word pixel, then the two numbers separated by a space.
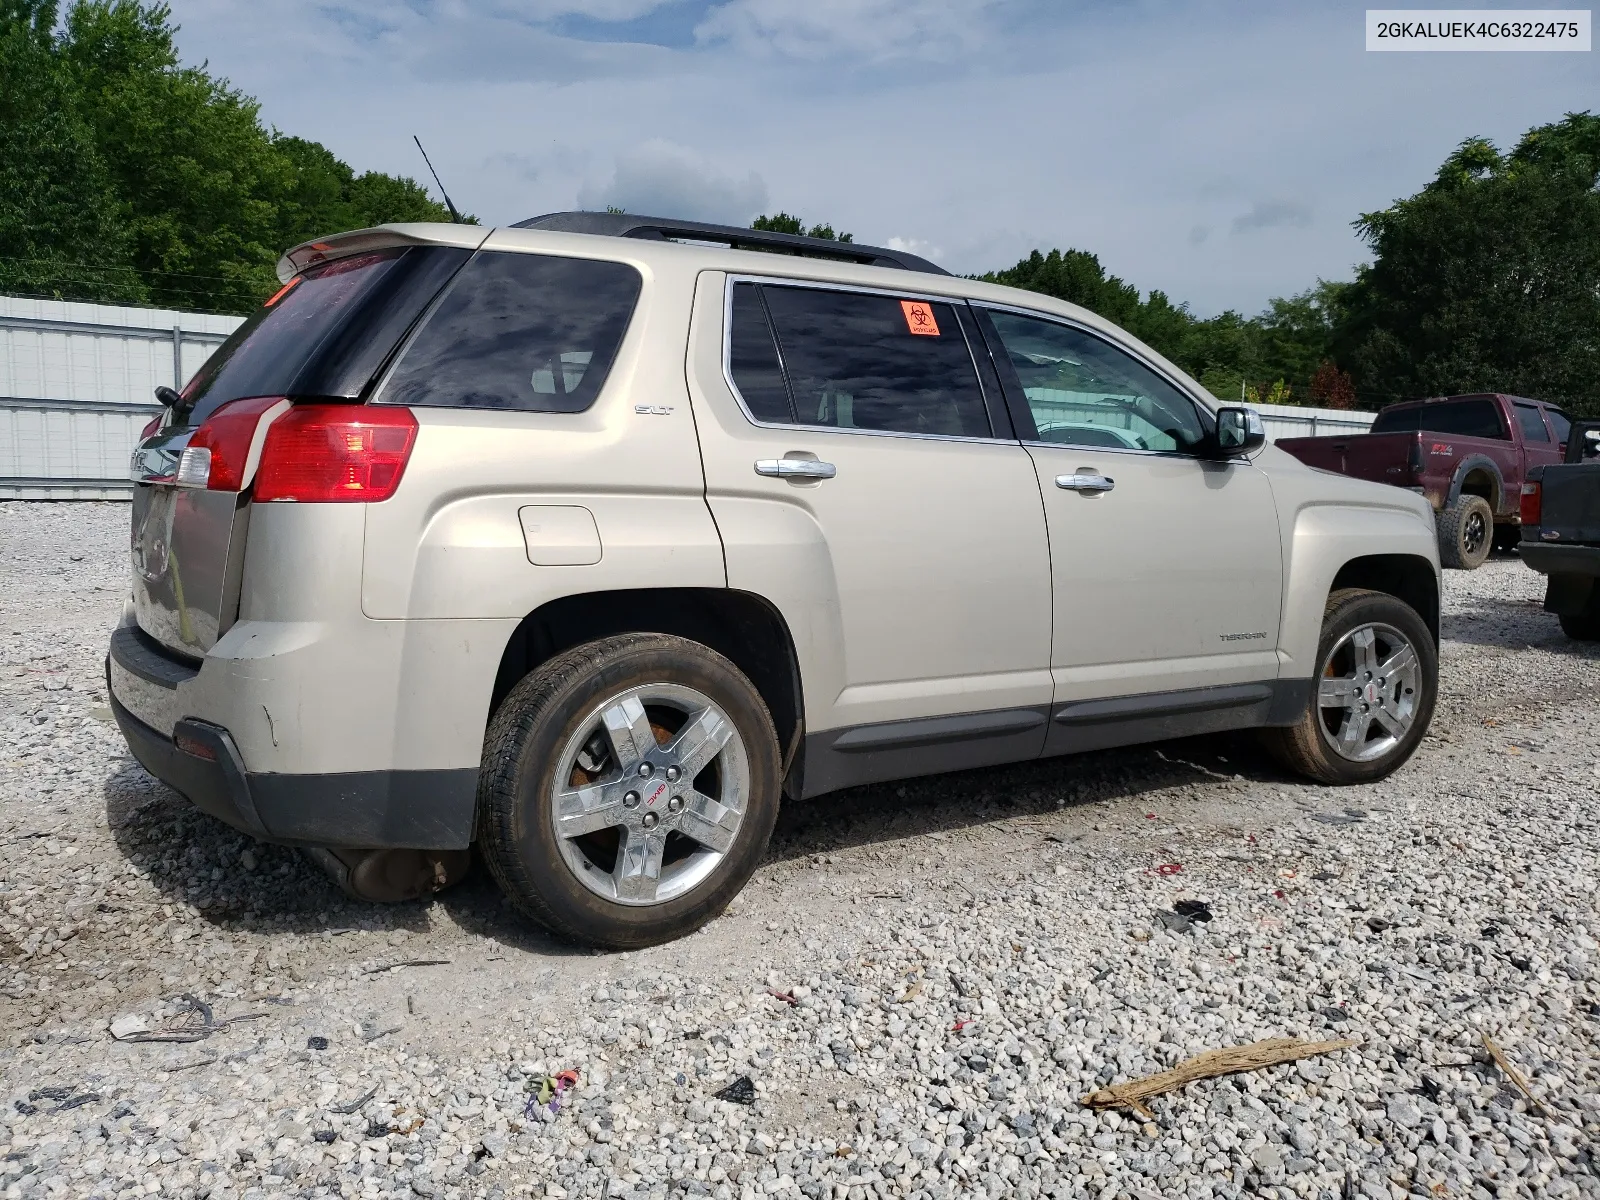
pixel 795 468
pixel 1085 483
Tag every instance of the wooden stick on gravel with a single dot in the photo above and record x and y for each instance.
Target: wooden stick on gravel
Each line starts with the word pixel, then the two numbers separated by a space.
pixel 1504 1063
pixel 1267 1053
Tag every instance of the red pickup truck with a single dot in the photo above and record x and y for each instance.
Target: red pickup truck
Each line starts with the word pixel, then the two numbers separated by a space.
pixel 1467 454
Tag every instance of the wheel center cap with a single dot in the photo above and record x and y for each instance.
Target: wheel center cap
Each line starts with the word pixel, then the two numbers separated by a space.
pixel 1370 694
pixel 655 794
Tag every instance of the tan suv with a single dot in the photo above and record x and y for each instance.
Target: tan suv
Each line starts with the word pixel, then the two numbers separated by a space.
pixel 583 541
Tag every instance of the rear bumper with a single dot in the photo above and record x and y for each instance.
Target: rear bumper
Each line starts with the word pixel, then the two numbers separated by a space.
pixel 1551 559
pixel 370 810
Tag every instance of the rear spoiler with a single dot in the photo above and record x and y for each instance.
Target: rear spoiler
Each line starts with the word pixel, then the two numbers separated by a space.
pixel 364 241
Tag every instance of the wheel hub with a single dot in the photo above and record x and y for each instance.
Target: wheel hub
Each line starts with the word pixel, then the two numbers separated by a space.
pixel 655 807
pixel 1369 692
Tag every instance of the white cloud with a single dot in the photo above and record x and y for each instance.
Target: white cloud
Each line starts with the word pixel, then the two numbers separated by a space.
pixel 916 246
pixel 984 129
pixel 817 30
pixel 662 179
pixel 1273 214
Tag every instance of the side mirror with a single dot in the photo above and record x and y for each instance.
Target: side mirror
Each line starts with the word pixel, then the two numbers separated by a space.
pixel 1239 431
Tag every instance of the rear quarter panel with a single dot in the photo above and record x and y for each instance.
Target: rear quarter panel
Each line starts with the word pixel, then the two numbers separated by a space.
pixel 449 547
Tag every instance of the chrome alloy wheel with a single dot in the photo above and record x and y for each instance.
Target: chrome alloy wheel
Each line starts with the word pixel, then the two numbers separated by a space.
pixel 1368 695
pixel 649 793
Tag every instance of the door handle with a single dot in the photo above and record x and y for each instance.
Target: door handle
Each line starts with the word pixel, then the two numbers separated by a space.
pixel 1085 483
pixel 795 468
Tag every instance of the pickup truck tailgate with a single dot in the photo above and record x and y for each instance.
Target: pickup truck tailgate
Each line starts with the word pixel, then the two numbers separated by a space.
pixel 1570 507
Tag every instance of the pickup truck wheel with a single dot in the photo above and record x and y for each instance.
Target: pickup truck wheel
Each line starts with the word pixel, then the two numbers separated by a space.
pixel 1466 533
pixel 628 790
pixel 1378 674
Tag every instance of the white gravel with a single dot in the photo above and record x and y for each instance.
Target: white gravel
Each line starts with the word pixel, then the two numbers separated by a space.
pixel 967 957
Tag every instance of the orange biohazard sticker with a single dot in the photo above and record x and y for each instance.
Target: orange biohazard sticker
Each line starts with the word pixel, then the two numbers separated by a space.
pixel 919 318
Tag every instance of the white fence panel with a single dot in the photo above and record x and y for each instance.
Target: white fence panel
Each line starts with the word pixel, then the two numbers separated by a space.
pixel 1289 420
pixel 77 384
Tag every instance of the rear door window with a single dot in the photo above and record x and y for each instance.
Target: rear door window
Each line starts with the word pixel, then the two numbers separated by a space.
pixel 856 360
pixel 1532 423
pixel 1470 418
pixel 1560 422
pixel 753 360
pixel 532 332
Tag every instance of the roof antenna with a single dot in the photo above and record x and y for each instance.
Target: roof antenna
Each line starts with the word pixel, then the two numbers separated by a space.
pixel 454 215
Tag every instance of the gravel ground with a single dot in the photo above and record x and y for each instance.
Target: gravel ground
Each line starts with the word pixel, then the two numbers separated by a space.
pixel 922 982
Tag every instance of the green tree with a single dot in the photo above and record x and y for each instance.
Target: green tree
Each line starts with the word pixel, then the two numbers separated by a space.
pixel 127 176
pixel 187 155
pixel 324 195
pixel 1488 279
pixel 782 222
pixel 61 227
pixel 1274 354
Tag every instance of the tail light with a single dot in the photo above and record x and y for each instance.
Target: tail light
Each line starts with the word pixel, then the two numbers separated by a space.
pixel 1532 502
pixel 1414 459
pixel 215 457
pixel 323 453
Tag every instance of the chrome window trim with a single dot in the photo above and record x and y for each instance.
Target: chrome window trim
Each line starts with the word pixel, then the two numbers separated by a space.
pixel 730 279
pixel 1183 390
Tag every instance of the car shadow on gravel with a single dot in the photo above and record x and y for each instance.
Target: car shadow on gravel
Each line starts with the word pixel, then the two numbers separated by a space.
pixel 1511 625
pixel 234 880
pixel 192 857
pixel 940 803
pixel 909 808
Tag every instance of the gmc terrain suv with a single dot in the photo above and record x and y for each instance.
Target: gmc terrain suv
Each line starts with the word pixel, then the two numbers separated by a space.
pixel 585 540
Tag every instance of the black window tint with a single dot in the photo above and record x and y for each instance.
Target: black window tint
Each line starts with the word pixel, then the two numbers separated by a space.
pixel 1532 423
pixel 753 358
pixel 857 361
pixel 1083 391
pixel 266 355
pixel 1470 418
pixel 523 331
pixel 1560 422
pixel 1397 420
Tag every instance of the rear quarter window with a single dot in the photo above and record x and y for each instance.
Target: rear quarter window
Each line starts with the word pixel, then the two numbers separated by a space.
pixel 325 333
pixel 529 332
pixel 1397 420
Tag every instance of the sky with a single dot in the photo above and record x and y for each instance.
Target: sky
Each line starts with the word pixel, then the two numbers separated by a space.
pixel 1216 151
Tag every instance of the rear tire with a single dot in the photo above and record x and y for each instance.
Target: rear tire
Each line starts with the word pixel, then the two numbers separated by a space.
pixel 628 790
pixel 1466 533
pixel 1370 702
pixel 1581 627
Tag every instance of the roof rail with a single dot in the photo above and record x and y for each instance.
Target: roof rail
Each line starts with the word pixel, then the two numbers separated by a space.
pixel 668 229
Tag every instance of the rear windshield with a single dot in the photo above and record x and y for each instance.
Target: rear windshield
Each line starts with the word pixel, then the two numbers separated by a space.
pixel 1469 418
pixel 326 332
pixel 534 332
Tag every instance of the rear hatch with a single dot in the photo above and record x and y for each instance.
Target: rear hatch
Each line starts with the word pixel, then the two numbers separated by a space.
pixel 324 336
